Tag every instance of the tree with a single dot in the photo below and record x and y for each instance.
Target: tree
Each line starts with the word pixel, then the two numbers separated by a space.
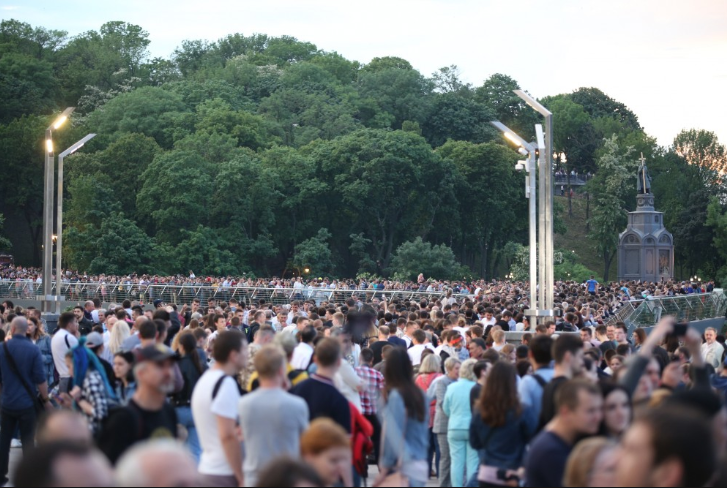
pixel 497 94
pixel 27 86
pixel 598 104
pixel 461 119
pixel 314 253
pixel 574 137
pixel 717 220
pixel 447 80
pixel 415 257
pixel 703 150
pixel 493 203
pixel 174 195
pixel 21 188
pixel 609 188
pixel 359 169
pixel 404 94
pixel 5 244
pixel 150 111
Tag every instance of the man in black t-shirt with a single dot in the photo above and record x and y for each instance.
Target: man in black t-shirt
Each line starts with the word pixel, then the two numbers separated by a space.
pixel 378 346
pixel 148 415
pixel 579 413
pixel 568 356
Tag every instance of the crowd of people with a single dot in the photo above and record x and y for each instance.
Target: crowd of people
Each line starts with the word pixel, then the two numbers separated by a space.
pixel 226 394
pixel 600 302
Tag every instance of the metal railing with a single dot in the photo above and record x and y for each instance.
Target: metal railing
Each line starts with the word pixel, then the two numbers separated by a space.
pixel 184 295
pixel 686 308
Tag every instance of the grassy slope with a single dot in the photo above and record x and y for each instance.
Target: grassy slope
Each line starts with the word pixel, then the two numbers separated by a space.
pixel 576 238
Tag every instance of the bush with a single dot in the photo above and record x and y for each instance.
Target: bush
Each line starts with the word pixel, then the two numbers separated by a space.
pixel 438 262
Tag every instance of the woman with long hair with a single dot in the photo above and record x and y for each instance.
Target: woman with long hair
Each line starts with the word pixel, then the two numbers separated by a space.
pixel 639 339
pixel 119 334
pixel 501 428
pixel 406 422
pixel 617 410
pixel 37 334
pixel 125 381
pixel 192 368
pixel 459 410
pixel 429 371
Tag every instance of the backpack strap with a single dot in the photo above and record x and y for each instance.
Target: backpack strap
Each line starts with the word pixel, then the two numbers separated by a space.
pixel 218 386
pixel 540 380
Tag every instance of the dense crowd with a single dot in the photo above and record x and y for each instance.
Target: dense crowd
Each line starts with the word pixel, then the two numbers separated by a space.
pixel 221 394
pixel 595 302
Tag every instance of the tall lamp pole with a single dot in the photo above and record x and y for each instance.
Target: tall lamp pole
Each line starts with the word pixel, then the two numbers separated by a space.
pixel 546 238
pixel 527 149
pixel 48 210
pixel 59 212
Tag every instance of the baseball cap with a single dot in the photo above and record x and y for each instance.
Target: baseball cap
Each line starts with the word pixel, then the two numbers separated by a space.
pixel 456 339
pixel 93 340
pixel 155 354
pixel 157 303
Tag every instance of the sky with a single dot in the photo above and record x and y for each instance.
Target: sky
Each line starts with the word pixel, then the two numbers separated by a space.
pixel 665 59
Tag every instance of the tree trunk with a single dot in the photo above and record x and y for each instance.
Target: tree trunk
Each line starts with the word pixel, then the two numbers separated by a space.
pixel 483 254
pixel 608 259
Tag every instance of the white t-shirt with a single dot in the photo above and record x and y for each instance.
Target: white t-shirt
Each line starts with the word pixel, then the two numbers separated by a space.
pixel 415 353
pixel 302 356
pixel 205 411
pixel 60 347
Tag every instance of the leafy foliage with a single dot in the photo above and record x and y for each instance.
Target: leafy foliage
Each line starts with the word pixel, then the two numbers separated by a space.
pixel 252 153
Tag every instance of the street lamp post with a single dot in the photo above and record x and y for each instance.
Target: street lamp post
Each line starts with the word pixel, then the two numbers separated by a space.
pixel 48 210
pixel 528 149
pixel 547 246
pixel 59 211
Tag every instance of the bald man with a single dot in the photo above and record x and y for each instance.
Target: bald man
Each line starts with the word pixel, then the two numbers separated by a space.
pixel 21 365
pixel 64 426
pixel 156 464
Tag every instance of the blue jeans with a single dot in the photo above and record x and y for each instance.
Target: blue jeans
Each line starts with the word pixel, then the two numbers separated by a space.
pixel 465 461
pixel 434 454
pixel 185 419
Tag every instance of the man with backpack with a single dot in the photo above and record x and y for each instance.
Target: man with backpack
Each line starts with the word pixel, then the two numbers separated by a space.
pixel 63 341
pixel 21 372
pixel 148 414
pixel 215 411
pixel 532 386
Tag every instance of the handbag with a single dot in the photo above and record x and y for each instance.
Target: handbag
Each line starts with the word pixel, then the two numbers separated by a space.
pixel 38 403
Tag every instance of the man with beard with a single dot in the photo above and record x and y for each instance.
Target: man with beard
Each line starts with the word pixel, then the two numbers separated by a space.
pixel 148 414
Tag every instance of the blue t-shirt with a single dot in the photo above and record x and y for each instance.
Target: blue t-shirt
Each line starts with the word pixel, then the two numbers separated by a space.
pixel 546 461
pixel 592 284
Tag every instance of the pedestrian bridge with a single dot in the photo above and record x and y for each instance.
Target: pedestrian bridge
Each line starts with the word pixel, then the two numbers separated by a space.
pixel 700 310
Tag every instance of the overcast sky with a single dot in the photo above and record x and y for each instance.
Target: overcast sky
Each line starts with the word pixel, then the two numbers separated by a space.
pixel 659 57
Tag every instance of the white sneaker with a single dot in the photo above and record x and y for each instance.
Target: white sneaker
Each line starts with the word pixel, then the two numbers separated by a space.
pixel 16 444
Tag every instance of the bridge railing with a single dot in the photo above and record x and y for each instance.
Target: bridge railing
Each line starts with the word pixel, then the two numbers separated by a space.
pixel 184 295
pixel 686 308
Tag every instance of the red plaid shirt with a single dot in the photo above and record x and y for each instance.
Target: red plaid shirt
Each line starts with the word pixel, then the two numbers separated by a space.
pixel 373 385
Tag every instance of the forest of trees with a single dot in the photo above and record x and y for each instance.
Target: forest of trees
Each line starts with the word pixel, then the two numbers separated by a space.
pixel 256 154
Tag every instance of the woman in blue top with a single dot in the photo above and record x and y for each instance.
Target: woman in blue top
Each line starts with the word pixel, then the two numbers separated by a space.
pixel 459 410
pixel 501 429
pixel 406 423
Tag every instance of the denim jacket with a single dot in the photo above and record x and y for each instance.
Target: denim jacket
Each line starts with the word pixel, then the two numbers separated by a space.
pixel 413 445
